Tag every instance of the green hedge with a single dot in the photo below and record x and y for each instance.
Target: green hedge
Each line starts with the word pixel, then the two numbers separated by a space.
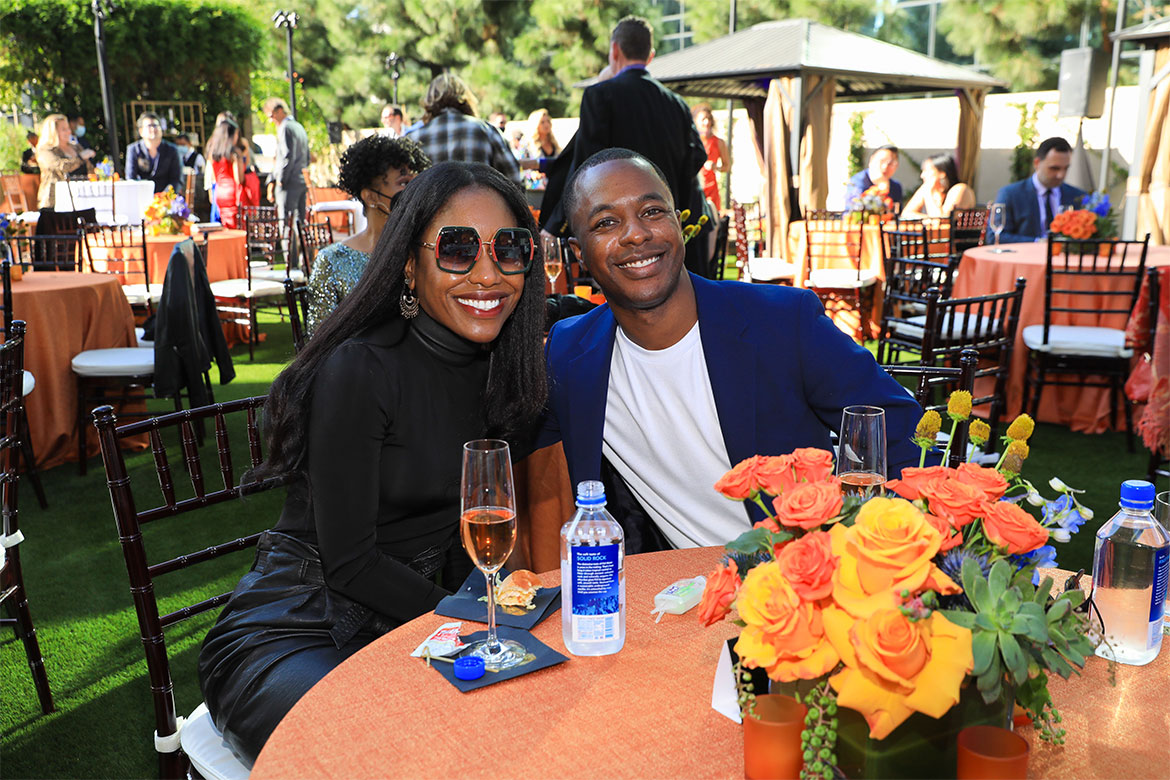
pixel 163 50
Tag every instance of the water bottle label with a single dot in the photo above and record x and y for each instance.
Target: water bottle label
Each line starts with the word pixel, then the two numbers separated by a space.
pixel 596 597
pixel 1161 576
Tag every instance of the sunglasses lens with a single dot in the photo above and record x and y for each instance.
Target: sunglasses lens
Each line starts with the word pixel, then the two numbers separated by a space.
pixel 456 249
pixel 513 249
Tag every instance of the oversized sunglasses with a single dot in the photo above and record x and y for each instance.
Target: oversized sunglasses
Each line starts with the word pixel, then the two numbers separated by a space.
pixel 457 248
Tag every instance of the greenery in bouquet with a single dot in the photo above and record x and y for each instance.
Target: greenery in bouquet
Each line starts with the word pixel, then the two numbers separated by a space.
pixel 874 202
pixel 167 212
pixel 1094 219
pixel 889 604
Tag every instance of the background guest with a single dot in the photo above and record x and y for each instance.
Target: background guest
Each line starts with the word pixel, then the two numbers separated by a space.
pixel 452 129
pixel 77 127
pixel 28 158
pixel 941 191
pixel 717 154
pixel 286 185
pixel 883 164
pixel 392 121
pixel 189 154
pixel 227 165
pixel 498 120
pixel 151 158
pixel 1030 204
pixel 540 149
pixel 58 158
pixel 374 171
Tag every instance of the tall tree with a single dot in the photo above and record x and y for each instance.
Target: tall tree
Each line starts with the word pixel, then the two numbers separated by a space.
pixel 709 20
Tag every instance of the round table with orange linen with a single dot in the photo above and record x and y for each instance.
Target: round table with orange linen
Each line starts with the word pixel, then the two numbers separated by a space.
pixel 983 272
pixel 644 712
pixel 226 258
pixel 66 313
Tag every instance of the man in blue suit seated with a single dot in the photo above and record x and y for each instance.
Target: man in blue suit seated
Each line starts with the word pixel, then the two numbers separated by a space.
pixel 1030 205
pixel 883 164
pixel 677 378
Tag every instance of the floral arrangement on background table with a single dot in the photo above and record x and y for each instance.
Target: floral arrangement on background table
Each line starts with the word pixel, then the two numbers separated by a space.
pixel 167 213
pixel 104 171
pixel 1093 219
pixel 899 605
pixel 873 204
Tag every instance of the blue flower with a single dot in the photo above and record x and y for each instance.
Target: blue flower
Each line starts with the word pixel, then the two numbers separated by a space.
pixel 1044 557
pixel 1098 203
pixel 1063 513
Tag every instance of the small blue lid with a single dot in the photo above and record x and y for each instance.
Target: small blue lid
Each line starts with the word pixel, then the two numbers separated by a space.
pixel 1137 494
pixel 469 667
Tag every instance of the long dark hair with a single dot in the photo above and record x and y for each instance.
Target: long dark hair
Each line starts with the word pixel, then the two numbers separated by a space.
pixel 945 164
pixel 222 144
pixel 516 388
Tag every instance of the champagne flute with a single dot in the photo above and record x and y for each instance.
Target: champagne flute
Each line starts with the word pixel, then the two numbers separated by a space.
pixel 553 263
pixel 995 220
pixel 488 528
pixel 861 458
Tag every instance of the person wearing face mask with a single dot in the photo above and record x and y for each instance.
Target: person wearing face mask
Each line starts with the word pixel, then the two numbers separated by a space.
pixel 151 158
pixel 373 170
pixel 77 128
pixel 883 164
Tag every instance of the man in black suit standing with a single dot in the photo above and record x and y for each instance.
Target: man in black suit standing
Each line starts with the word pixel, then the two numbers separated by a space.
pixel 633 111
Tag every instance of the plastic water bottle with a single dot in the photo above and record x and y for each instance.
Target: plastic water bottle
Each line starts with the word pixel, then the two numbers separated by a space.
pixel 593 576
pixel 1131 565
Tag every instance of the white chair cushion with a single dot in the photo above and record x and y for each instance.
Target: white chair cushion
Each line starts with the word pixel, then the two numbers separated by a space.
pixel 28 384
pixel 122 361
pixel 278 275
pixel 209 753
pixel 1078 340
pixel 913 327
pixel 258 263
pixel 840 278
pixel 145 343
pixel 238 288
pixel 136 293
pixel 767 269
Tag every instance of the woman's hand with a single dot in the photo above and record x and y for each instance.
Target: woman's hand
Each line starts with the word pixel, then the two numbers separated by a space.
pixel 88 154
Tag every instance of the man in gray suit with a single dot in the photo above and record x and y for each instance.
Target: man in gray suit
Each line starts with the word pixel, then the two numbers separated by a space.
pixel 286 185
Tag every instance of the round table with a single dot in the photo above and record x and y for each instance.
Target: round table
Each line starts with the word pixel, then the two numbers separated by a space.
pixel 644 712
pixel 66 313
pixel 226 257
pixel 982 272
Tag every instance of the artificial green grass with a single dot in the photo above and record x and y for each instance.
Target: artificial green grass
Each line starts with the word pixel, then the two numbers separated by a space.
pixel 80 600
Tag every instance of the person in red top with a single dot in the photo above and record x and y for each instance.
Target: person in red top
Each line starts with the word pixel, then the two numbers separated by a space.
pixel 717 154
pixel 227 164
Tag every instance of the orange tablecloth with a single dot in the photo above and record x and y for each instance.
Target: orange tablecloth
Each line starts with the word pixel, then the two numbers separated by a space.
pixel 66 313
pixel 981 272
pixel 644 712
pixel 226 258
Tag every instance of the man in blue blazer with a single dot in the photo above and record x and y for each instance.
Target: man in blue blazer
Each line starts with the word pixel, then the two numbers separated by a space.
pixel 883 164
pixel 677 378
pixel 1030 204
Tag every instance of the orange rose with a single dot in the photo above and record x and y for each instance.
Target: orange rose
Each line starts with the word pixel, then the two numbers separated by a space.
pixel 811 464
pixel 809 504
pixel 957 501
pixel 889 548
pixel 740 483
pixel 1011 528
pixel 719 593
pixel 990 481
pixel 808 563
pixel 895 667
pixel 783 633
pixel 951 536
pixel 775 474
pixel 914 478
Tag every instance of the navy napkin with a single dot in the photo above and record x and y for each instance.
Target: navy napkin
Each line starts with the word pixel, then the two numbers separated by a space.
pixel 465 604
pixel 543 656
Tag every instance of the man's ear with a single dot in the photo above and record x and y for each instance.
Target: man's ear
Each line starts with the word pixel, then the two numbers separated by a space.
pixel 651 57
pixel 575 245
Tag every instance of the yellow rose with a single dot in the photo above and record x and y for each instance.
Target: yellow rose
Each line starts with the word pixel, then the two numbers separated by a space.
pixel 889 548
pixel 895 667
pixel 784 634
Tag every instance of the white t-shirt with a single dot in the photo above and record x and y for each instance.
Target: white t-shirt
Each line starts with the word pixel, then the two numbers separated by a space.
pixel 662 435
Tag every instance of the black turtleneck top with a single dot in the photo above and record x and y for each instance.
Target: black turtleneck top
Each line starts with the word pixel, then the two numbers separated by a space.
pixel 390 412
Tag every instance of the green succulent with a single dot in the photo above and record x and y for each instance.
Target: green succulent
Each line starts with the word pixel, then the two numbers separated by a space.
pixel 1020 633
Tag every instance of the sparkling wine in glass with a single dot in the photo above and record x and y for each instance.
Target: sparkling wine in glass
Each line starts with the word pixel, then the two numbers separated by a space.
pixel 861 456
pixel 995 221
pixel 488 529
pixel 553 264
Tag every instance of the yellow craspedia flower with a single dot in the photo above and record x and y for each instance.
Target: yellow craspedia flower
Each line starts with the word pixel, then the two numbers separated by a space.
pixel 929 426
pixel 959 405
pixel 684 215
pixel 979 432
pixel 1015 455
pixel 1021 428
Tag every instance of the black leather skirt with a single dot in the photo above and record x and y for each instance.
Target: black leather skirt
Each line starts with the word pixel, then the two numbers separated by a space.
pixel 282 630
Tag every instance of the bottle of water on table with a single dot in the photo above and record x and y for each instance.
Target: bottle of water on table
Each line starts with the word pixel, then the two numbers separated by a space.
pixel 593 576
pixel 1131 565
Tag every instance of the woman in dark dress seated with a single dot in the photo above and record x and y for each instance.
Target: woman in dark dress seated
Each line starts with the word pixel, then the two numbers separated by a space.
pixel 436 345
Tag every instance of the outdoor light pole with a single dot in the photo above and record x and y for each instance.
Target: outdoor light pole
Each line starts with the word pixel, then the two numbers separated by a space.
pixel 288 20
pixel 101 9
pixel 392 66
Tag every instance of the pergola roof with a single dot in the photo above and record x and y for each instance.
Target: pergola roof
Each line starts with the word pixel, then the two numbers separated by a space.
pixel 740 65
pixel 1155 28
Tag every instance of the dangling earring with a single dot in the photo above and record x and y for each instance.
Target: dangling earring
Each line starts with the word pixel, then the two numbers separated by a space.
pixel 408 303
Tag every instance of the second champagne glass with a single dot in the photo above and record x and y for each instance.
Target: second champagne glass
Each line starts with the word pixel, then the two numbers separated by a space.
pixel 861 458
pixel 552 259
pixel 995 221
pixel 488 527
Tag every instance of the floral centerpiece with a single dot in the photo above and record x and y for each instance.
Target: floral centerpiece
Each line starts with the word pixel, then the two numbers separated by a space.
pixel 904 603
pixel 104 171
pixel 1093 219
pixel 873 204
pixel 167 213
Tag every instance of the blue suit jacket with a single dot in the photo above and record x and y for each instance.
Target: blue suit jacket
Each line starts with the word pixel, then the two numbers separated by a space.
pixel 861 182
pixel 780 371
pixel 1022 213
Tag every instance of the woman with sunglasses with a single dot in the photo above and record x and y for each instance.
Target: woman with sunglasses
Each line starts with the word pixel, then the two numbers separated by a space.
pixel 438 343
pixel 373 170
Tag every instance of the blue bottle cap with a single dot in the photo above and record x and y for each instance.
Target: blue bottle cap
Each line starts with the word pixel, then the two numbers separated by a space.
pixel 469 667
pixel 590 493
pixel 1137 494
